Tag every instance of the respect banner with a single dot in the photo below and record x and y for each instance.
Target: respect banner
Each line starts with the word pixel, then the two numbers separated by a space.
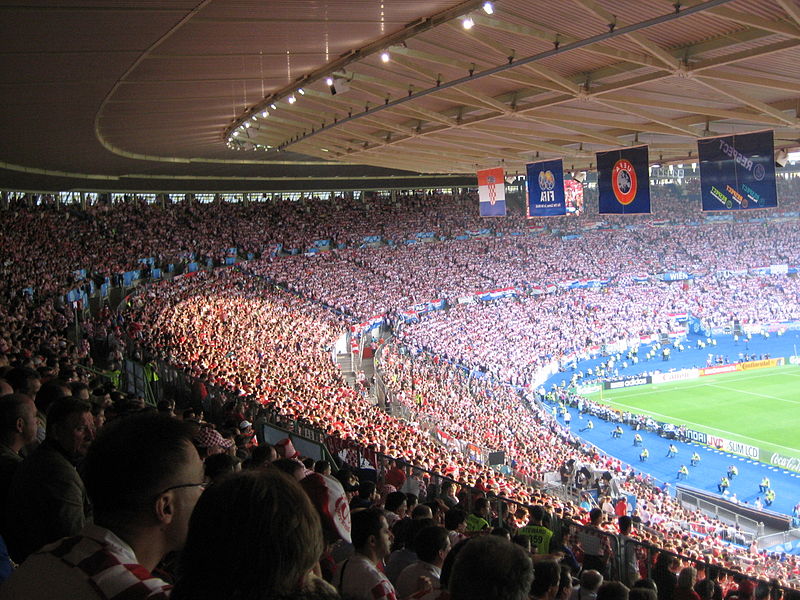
pixel 737 172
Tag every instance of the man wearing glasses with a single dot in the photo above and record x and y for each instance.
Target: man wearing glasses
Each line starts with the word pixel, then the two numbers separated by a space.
pixel 143 476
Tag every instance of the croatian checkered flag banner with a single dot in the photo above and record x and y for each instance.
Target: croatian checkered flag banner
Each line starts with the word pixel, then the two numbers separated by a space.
pixel 492 192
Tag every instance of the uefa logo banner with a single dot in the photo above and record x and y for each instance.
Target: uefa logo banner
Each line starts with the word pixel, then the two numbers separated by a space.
pixel 623 181
pixel 546 197
pixel 737 172
pixel 492 192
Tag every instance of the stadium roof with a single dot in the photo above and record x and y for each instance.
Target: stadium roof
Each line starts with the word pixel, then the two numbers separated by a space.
pixel 157 93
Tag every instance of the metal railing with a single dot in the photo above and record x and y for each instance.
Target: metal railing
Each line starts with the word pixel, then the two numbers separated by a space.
pixel 750 527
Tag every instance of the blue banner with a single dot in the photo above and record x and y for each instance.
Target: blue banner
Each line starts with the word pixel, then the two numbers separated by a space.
pixel 546 197
pixel 738 171
pixel 697 327
pixel 129 277
pixel 623 180
pixel 675 276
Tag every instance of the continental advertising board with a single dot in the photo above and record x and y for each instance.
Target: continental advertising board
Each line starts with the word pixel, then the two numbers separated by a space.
pixel 744 366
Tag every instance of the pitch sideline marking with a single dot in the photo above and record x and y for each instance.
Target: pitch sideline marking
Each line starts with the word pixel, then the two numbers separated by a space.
pixel 701 427
pixel 730 389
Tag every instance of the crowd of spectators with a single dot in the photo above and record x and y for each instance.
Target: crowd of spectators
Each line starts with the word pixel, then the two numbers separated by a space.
pixel 112 502
pixel 513 339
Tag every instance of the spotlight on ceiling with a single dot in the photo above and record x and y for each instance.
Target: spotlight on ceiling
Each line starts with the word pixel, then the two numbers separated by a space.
pixel 273 107
pixel 338 86
pixel 291 99
pixel 488 8
pixel 385 56
pixel 265 114
pixel 468 23
pixel 301 91
pixel 329 81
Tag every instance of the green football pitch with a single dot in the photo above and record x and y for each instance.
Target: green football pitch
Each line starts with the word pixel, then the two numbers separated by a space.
pixel 760 407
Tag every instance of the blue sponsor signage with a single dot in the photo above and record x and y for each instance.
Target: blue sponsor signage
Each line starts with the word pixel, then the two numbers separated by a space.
pixel 623 181
pixel 546 197
pixel 737 172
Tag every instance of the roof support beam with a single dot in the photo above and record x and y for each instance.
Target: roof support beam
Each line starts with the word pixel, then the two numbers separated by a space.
pixel 649 115
pixel 752 102
pixel 708 111
pixel 651 48
pixel 791 9
pixel 594 135
pixel 765 82
pixel 735 57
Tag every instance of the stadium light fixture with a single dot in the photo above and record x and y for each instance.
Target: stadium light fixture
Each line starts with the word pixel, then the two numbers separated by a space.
pixel 273 107
pixel 301 91
pixel 329 81
pixel 468 23
pixel 385 57
pixel 488 8
pixel 291 99
pixel 265 114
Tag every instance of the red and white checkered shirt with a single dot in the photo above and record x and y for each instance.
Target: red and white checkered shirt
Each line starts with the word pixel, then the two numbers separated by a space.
pixel 95 565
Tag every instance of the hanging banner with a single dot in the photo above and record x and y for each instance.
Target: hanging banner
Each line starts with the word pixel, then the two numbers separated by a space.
pixel 492 192
pixel 573 197
pixel 546 196
pixel 623 181
pixel 738 171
